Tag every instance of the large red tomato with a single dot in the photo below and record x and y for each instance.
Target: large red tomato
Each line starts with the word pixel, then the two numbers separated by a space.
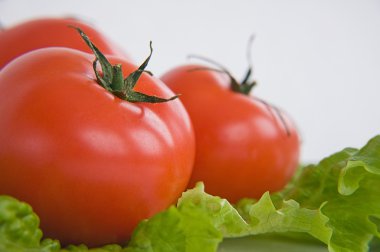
pixel 92 165
pixel 244 146
pixel 48 32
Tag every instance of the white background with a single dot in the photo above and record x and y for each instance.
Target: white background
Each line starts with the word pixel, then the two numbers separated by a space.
pixel 318 60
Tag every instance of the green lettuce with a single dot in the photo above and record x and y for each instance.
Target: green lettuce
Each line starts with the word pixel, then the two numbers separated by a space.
pixel 347 186
pixel 19 230
pixel 333 205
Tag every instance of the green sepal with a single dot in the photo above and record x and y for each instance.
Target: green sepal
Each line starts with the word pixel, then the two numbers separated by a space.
pixel 112 76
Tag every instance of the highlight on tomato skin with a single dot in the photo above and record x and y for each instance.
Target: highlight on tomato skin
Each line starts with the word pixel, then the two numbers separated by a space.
pixel 50 32
pixel 244 145
pixel 90 164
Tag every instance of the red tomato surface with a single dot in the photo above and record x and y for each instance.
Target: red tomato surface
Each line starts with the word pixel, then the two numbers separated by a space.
pixel 49 32
pixel 90 164
pixel 242 147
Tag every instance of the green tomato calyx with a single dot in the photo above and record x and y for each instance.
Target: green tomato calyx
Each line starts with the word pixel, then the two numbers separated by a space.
pixel 112 76
pixel 243 87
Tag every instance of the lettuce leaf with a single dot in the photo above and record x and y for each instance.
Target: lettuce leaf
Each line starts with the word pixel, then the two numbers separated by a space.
pixel 19 230
pixel 335 202
pixel 203 220
pixel 346 186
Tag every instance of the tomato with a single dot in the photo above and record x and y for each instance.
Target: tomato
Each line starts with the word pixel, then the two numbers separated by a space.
pixel 244 146
pixel 48 32
pixel 91 165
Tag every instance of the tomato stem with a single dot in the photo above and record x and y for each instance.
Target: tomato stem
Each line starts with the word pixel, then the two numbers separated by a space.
pixel 112 76
pixel 246 85
pixel 249 60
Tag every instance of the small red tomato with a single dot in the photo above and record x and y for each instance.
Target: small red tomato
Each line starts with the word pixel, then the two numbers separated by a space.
pixel 244 146
pixel 91 164
pixel 49 32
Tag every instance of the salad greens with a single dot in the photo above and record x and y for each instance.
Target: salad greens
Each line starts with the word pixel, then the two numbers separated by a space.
pixel 335 203
pixel 19 230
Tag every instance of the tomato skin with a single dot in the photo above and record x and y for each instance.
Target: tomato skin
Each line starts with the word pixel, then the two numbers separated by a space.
pixel 90 164
pixel 51 32
pixel 242 147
